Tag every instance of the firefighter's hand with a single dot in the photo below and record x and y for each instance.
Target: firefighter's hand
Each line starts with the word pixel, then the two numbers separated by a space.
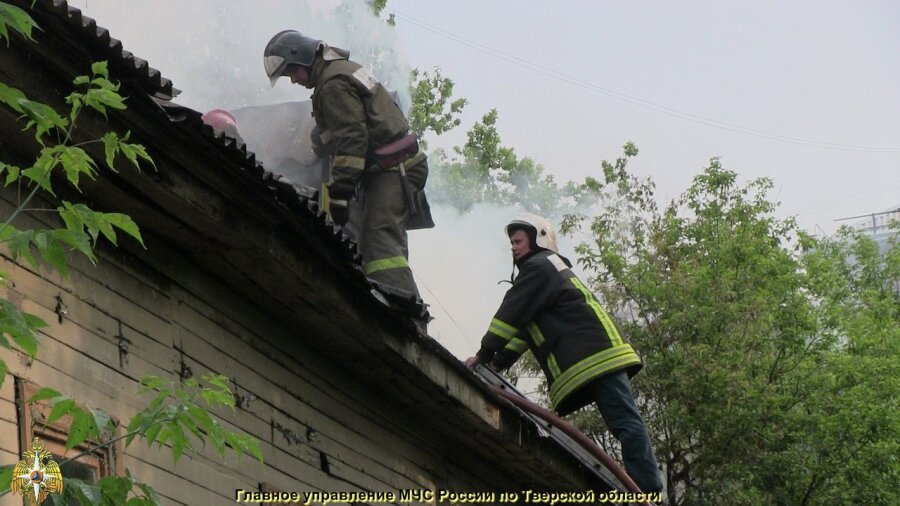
pixel 339 211
pixel 472 361
pixel 315 141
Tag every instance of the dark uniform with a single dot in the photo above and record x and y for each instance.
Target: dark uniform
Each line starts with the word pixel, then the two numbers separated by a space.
pixel 356 116
pixel 550 311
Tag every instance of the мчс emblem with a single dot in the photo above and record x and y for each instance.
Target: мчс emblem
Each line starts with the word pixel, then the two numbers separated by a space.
pixel 35 479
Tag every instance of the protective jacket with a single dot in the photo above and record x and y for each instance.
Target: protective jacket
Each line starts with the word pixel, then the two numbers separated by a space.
pixel 356 116
pixel 550 311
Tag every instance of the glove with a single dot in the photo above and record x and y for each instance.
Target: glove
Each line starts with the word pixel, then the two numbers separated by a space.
pixel 315 140
pixel 339 211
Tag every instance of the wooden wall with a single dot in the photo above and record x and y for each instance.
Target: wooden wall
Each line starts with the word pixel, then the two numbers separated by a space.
pixel 319 428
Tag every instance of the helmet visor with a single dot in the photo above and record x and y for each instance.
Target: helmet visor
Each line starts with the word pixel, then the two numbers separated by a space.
pixel 275 67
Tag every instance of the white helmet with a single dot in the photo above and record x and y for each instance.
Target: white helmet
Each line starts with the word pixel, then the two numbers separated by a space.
pixel 540 230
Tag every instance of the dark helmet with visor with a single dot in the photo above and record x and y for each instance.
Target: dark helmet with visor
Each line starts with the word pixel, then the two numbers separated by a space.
pixel 289 47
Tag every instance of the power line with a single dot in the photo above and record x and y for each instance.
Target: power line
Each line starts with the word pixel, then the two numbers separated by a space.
pixel 446 311
pixel 540 69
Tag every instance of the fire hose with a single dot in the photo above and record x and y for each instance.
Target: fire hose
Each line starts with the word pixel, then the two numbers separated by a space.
pixel 575 434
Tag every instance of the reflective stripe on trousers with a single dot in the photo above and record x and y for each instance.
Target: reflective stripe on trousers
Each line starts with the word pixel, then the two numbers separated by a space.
pixel 382 232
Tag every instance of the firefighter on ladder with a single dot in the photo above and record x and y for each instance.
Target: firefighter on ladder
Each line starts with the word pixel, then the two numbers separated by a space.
pixel 550 311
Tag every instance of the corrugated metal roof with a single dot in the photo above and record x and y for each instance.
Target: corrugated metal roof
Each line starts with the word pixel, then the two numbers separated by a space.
pixel 124 64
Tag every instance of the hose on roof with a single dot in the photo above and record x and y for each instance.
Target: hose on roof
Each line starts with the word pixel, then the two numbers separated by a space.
pixel 573 433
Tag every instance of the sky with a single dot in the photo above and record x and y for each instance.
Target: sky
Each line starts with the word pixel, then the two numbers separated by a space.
pixel 802 92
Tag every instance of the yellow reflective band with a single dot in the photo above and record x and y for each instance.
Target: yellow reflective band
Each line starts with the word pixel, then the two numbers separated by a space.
pixel 536 334
pixel 325 199
pixel 614 338
pixel 591 367
pixel 353 162
pixel 516 345
pixel 553 366
pixel 503 329
pixel 386 263
pixel 557 395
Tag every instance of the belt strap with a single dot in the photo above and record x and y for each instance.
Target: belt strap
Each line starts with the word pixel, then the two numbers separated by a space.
pixel 409 162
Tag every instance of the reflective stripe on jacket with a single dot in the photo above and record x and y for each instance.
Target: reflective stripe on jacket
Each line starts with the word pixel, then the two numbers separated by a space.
pixel 550 311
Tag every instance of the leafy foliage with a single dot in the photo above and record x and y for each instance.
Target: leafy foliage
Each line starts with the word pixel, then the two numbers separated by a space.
pixel 432 105
pixel 83 226
pixel 177 413
pixel 15 18
pixel 179 417
pixel 485 171
pixel 771 358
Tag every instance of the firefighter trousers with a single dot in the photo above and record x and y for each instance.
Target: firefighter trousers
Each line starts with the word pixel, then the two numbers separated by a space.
pixel 382 227
pixel 612 394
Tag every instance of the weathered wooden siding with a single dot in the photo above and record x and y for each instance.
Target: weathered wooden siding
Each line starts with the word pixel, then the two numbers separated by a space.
pixel 304 406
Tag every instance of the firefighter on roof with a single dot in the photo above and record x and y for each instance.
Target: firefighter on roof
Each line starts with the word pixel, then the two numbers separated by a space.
pixel 374 158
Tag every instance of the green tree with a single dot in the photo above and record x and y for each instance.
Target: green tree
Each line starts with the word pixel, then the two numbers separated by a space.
pixel 179 415
pixel 433 107
pixel 752 374
pixel 483 170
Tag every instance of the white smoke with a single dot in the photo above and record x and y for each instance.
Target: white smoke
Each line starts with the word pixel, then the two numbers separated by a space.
pixel 212 51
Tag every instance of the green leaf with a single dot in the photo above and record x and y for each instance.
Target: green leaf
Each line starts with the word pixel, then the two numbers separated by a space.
pixel 17 19
pixel 190 425
pixel 62 406
pixel 80 80
pixel 105 84
pixel 100 68
pixel 12 173
pixel 180 442
pixel 105 227
pixel 40 171
pixel 151 382
pixel 244 443
pixel 44 394
pixel 102 419
pixel 76 101
pixel 124 223
pixel 201 417
pixel 11 97
pixel 52 250
pixel 99 99
pixel 75 162
pixel 3 370
pixel 19 243
pixel 141 501
pixel 77 240
pixel 133 151
pixel 33 321
pixel 83 427
pixel 20 326
pixel 110 148
pixel 5 477
pixel 115 489
pixel 42 116
pixel 85 493
pixel 153 432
